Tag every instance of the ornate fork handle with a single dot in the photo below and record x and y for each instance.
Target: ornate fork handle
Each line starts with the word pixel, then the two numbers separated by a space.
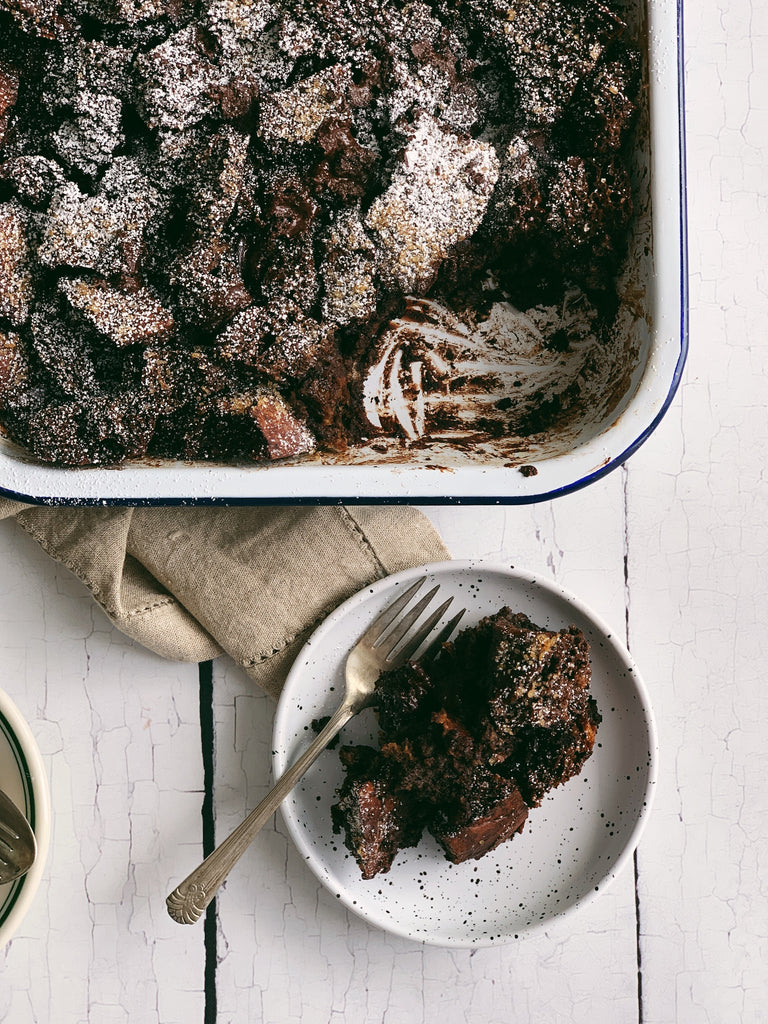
pixel 189 899
pixel 387 643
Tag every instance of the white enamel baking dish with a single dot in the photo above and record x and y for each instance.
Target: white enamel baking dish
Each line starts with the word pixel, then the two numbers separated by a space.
pixel 655 346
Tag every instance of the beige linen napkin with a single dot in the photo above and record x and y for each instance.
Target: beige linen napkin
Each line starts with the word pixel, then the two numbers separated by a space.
pixel 191 583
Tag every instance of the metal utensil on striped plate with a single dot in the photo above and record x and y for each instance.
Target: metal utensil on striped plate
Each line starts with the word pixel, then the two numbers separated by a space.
pixel 388 643
pixel 18 847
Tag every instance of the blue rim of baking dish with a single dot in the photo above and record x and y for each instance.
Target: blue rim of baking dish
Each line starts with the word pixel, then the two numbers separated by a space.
pixel 521 499
pixel 14 892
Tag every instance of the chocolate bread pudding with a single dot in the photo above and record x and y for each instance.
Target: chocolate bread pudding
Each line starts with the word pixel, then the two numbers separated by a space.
pixel 469 743
pixel 210 211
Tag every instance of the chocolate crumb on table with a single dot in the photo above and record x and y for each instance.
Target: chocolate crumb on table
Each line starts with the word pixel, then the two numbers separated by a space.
pixel 209 211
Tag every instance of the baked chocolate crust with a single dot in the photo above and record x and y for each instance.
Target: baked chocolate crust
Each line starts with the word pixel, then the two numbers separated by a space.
pixel 245 190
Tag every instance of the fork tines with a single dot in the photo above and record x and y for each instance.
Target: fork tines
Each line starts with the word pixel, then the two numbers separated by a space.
pixel 436 645
pixel 380 634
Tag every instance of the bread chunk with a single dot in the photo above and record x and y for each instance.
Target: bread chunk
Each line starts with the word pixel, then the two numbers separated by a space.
pixel 438 196
pixel 16 282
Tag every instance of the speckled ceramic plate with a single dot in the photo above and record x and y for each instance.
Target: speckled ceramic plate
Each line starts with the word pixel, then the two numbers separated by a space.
pixel 571 846
pixel 23 778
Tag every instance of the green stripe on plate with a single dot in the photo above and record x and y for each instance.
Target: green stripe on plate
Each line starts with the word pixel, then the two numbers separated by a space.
pixel 13 893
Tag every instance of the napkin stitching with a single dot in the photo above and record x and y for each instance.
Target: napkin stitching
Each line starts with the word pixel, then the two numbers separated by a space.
pixel 262 656
pixel 49 550
pixel 112 610
pixel 161 603
pixel 380 571
pixel 360 536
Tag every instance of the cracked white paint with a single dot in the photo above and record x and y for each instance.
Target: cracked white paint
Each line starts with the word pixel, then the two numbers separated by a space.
pixel 698 532
pixel 119 733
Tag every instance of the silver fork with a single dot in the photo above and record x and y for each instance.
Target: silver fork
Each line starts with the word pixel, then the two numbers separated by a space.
pixel 386 644
pixel 17 841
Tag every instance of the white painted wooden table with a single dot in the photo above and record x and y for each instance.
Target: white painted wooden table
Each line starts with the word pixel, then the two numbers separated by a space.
pixel 672 550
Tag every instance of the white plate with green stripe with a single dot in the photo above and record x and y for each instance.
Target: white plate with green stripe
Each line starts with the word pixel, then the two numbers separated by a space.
pixel 23 778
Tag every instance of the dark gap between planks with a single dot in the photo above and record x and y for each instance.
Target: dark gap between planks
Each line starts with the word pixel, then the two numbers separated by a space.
pixel 207 740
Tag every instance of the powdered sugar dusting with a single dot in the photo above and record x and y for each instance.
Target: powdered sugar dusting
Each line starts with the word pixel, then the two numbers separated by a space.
pixel 437 198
